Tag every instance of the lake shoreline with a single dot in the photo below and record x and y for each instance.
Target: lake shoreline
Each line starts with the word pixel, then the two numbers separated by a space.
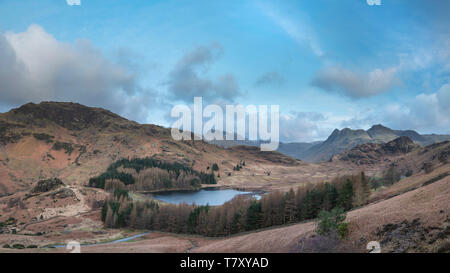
pixel 213 196
pixel 212 187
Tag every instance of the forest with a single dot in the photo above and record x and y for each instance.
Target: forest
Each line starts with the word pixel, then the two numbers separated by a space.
pixel 240 214
pixel 150 174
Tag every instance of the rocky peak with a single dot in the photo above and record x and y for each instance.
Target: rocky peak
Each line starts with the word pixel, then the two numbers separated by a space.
pixel 399 145
pixel 347 135
pixel 379 127
pixel 380 131
pixel 334 135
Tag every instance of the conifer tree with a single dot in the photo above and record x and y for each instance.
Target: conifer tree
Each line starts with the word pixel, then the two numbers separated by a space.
pixel 345 198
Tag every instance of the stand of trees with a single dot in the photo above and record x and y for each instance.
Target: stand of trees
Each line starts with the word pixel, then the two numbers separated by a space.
pixel 148 174
pixel 389 177
pixel 241 213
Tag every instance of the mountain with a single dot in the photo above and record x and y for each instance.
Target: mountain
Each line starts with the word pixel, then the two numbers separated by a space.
pixel 374 153
pixel 337 142
pixel 74 142
pixel 340 141
pixel 379 133
pixel 292 149
pixel 346 139
pixel 296 149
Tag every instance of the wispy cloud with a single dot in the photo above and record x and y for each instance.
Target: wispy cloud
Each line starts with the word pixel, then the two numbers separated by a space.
pixel 297 30
pixel 188 78
pixel 270 78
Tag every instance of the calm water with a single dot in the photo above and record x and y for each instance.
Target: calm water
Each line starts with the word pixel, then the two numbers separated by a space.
pixel 213 197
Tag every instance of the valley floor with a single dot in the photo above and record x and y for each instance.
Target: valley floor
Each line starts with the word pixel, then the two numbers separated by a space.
pixel 407 200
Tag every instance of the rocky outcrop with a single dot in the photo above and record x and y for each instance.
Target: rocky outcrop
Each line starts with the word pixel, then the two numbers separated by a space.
pixel 72 116
pixel 63 193
pixel 401 145
pixel 372 153
pixel 47 185
pixel 413 236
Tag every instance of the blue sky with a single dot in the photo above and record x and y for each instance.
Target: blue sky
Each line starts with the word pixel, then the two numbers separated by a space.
pixel 328 64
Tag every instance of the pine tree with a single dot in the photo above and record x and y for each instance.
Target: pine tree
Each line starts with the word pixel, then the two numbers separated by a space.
pixel 330 197
pixel 307 206
pixel 254 215
pixel 345 198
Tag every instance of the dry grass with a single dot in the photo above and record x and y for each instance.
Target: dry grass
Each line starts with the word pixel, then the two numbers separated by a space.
pixel 425 203
pixel 24 163
pixel 408 183
pixel 164 244
pixel 430 203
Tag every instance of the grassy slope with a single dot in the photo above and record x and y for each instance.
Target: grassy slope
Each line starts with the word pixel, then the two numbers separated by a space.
pixel 425 203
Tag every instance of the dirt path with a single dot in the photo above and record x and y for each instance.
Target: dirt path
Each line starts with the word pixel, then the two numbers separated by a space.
pixel 38 222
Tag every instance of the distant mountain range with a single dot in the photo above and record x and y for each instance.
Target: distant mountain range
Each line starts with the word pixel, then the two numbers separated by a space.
pixel 345 139
pixel 342 140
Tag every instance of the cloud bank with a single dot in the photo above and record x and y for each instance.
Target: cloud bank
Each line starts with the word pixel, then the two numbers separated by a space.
pixel 37 67
pixel 354 84
pixel 302 127
pixel 426 112
pixel 429 112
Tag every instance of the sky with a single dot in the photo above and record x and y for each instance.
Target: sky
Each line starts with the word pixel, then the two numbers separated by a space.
pixel 327 63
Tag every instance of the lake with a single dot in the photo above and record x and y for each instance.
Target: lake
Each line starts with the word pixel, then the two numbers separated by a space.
pixel 211 196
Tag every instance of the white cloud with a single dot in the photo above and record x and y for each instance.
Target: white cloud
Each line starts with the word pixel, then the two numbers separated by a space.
pixel 37 67
pixel 425 113
pixel 354 84
pixel 303 127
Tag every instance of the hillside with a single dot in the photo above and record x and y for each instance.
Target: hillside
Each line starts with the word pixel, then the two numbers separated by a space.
pixel 429 204
pixel 413 217
pixel 49 152
pixel 375 153
pixel 74 142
